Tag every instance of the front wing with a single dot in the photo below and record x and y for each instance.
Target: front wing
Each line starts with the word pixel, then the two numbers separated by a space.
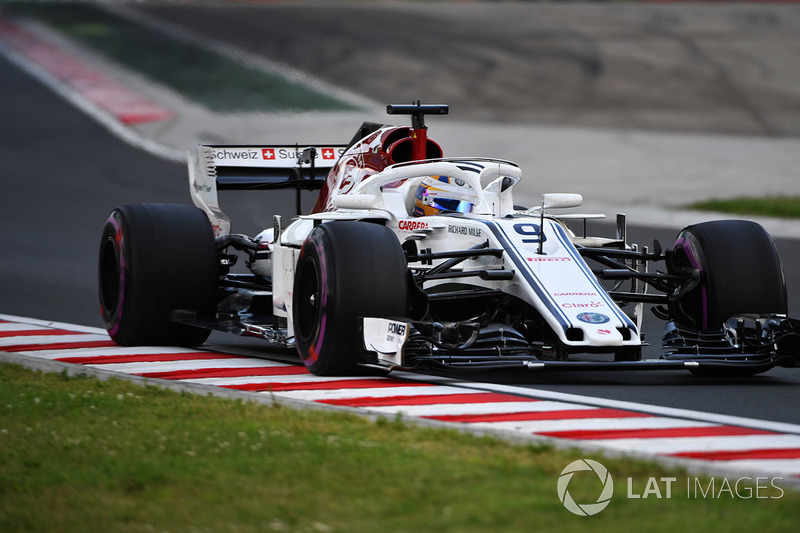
pixel 746 342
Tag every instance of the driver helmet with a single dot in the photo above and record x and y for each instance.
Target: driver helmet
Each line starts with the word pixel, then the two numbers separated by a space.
pixel 443 194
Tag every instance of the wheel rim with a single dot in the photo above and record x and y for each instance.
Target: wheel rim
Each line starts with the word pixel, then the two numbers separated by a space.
pixel 694 304
pixel 109 277
pixel 308 300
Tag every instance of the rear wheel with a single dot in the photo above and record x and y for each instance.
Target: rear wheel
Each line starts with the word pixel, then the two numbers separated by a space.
pixel 740 272
pixel 155 258
pixel 346 270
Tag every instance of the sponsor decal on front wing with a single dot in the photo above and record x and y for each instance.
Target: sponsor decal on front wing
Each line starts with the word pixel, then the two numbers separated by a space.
pixel 386 338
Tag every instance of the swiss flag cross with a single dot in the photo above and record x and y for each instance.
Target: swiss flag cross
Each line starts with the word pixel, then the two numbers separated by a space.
pixel 327 153
pixel 267 153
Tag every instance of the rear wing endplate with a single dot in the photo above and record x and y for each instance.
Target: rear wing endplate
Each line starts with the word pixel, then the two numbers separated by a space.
pixel 214 168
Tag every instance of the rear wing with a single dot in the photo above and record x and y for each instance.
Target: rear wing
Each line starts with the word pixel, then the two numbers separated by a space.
pixel 214 168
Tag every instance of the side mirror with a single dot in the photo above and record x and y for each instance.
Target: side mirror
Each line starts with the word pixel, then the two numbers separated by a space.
pixel 561 200
pixel 356 201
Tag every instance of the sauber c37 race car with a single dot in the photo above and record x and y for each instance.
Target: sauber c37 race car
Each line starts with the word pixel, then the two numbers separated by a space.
pixel 410 260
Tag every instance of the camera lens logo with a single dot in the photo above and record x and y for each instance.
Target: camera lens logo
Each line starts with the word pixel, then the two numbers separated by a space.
pixel 585 509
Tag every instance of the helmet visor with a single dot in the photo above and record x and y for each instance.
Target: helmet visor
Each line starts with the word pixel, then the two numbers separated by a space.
pixel 456 206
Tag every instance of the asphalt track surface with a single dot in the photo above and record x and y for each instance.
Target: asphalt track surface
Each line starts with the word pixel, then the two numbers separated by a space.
pixel 62 174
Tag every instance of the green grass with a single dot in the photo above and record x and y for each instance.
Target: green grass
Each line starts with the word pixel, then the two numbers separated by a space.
pixel 80 454
pixel 775 206
pixel 198 73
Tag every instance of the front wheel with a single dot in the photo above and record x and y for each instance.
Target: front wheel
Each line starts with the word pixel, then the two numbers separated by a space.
pixel 346 270
pixel 740 273
pixel 155 258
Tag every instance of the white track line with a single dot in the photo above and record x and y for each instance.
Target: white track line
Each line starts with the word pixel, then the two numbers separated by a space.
pixel 52 324
pixel 674 445
pixel 20 327
pixel 75 353
pixel 445 409
pixel 768 425
pixel 51 339
pixel 542 426
pixel 381 392
pixel 266 380
pixel 192 364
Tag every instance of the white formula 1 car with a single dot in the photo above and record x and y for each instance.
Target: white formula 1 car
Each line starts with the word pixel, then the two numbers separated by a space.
pixel 413 260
